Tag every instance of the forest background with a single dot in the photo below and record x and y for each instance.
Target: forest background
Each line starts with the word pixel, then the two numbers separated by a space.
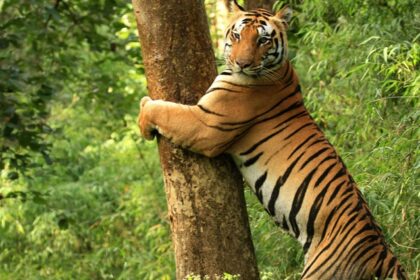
pixel 81 194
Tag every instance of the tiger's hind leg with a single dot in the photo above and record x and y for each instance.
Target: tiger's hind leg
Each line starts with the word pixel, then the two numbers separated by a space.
pixel 375 263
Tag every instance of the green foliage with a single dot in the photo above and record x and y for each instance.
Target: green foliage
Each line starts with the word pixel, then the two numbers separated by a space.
pixel 91 204
pixel 54 51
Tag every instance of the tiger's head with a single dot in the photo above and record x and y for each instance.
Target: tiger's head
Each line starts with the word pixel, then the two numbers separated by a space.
pixel 255 41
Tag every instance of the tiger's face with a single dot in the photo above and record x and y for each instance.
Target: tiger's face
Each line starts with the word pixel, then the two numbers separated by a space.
pixel 256 42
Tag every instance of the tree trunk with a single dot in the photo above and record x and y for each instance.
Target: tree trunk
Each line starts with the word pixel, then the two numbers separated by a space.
pixel 265 4
pixel 207 212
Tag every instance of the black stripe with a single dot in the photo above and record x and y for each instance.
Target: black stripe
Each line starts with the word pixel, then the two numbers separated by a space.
pixel 220 88
pixel 256 145
pixel 297 89
pixel 382 257
pixel 317 154
pixel 325 173
pixel 287 143
pixel 222 128
pixel 301 144
pixel 400 273
pixel 330 156
pixel 224 145
pixel 258 184
pixel 296 105
pixel 280 182
pixel 298 201
pixel 362 270
pixel 320 140
pixel 391 272
pixel 316 206
pixel 253 147
pixel 357 208
pixel 353 222
pixel 284 224
pixel 390 265
pixel 332 241
pixel 365 261
pixel 227 32
pixel 354 248
pixel 339 216
pixel 310 228
pixel 290 76
pixel 330 257
pixel 252 160
pixel 287 70
pixel 208 111
pixel 230 83
pixel 299 129
pixel 333 213
pixel 264 17
pixel 334 194
pixel 352 263
pixel 349 189
pixel 237 85
pixel 353 251
pixel 238 6
pixel 282 47
pixel 273 33
pixel 296 116
pixel 275 153
pixel 264 12
pixel 276 43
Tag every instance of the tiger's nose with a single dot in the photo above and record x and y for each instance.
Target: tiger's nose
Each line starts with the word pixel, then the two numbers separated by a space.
pixel 243 63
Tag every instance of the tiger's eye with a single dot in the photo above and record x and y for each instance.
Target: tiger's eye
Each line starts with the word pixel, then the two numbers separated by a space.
pixel 263 40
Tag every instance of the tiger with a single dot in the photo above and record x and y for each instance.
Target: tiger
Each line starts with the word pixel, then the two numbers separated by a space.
pixel 254 112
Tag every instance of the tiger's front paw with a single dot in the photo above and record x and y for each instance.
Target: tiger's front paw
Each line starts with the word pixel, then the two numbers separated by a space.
pixel 147 128
pixel 144 100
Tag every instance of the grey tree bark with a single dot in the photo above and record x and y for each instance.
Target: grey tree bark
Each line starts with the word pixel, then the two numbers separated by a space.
pixel 207 210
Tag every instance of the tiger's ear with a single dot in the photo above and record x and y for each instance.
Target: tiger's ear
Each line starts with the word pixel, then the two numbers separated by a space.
pixel 233 6
pixel 285 15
